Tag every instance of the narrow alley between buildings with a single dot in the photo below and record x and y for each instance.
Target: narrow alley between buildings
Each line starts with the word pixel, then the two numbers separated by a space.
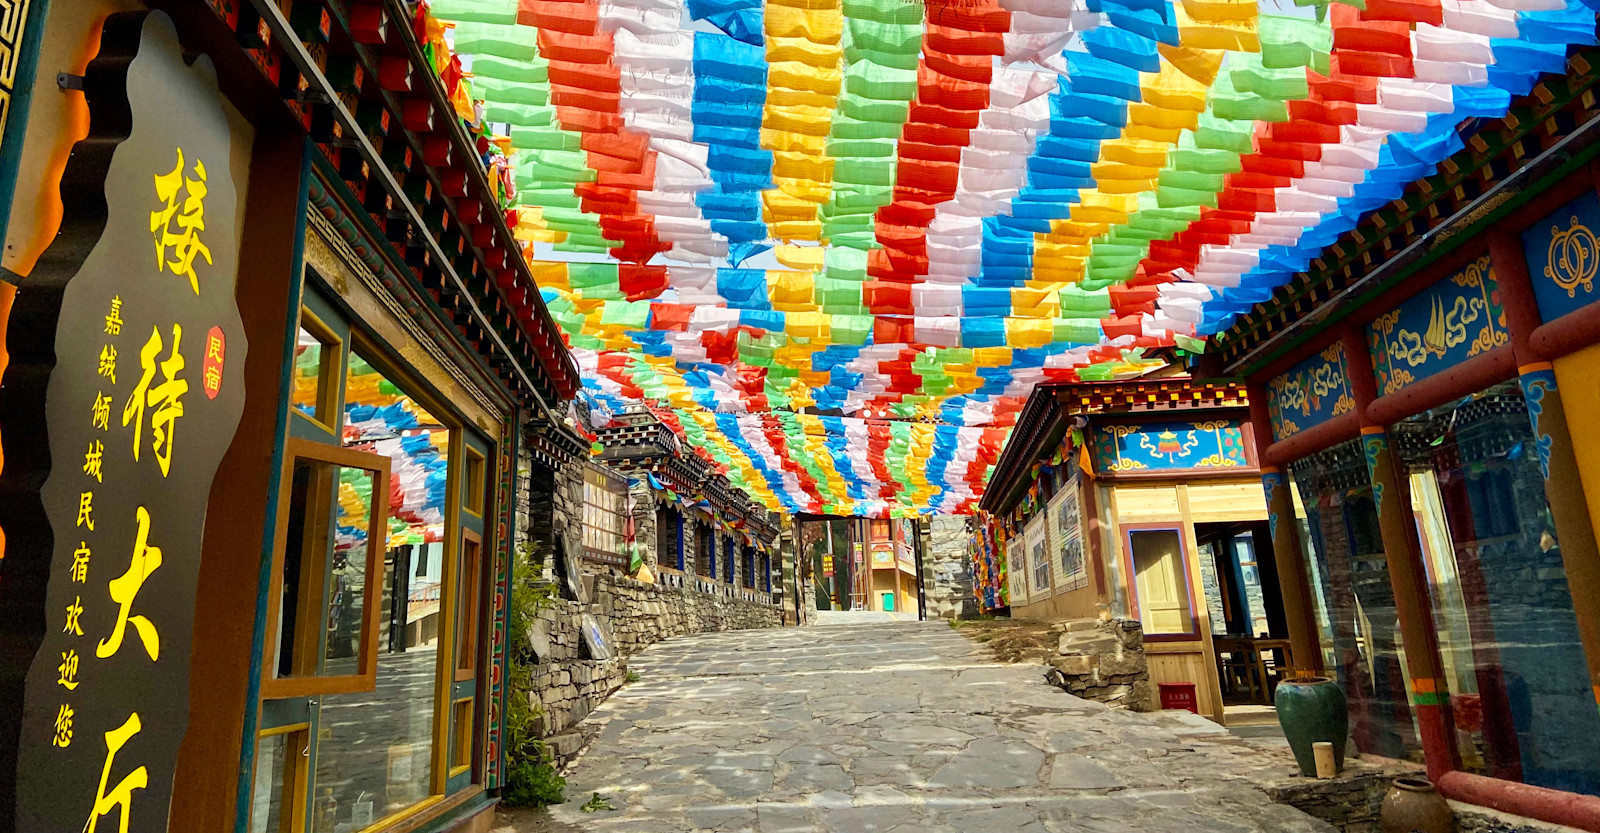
pixel 880 727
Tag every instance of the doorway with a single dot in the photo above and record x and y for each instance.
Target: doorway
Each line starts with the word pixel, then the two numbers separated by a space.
pixel 1249 631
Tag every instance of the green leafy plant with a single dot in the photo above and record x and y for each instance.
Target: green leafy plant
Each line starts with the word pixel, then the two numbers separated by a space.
pixel 633 676
pixel 531 776
pixel 596 804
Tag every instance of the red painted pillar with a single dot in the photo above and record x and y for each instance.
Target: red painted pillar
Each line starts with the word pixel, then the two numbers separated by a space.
pixel 1407 575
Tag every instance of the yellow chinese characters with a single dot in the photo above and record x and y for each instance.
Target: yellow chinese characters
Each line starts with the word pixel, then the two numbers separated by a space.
pixel 63 727
pixel 125 588
pixel 164 398
pixel 121 796
pixel 102 411
pixel 108 363
pixel 94 461
pixel 74 616
pixel 67 671
pixel 180 232
pixel 114 318
pixel 80 563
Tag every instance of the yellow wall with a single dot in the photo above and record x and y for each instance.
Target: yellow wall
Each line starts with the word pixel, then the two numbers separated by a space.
pixel 1081 603
pixel 1183 506
pixel 1580 398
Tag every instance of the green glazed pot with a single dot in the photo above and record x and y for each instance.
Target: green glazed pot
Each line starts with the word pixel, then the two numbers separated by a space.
pixel 1312 710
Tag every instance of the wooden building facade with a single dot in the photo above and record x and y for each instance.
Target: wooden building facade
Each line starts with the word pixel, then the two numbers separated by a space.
pixel 259 490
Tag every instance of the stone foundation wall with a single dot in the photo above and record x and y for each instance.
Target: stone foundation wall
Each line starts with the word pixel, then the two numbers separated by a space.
pixel 569 685
pixel 1103 661
pixel 946 572
pixel 1350 802
pixel 1353 802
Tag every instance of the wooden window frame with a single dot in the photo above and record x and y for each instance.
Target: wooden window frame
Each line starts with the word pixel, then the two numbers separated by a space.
pixel 592 553
pixel 475 469
pixel 366 679
pixel 463 720
pixel 329 376
pixel 1134 608
pixel 469 598
pixel 296 777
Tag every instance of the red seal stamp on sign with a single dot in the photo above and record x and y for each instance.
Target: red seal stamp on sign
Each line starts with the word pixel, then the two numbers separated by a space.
pixel 211 370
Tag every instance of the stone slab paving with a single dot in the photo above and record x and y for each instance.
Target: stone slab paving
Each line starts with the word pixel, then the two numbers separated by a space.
pixel 894 728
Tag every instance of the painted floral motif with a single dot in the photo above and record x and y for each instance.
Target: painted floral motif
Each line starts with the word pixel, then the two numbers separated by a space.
pixel 1573 256
pixel 1315 390
pixel 1449 322
pixel 1175 445
pixel 1535 385
pixel 1373 446
pixel 1270 481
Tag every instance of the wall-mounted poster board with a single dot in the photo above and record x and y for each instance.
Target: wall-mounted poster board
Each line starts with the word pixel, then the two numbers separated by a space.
pixel 1016 561
pixel 1037 536
pixel 1065 516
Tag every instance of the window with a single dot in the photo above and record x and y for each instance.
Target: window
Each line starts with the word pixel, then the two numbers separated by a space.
pixel 704 562
pixel 476 466
pixel 461 736
pixel 1161 581
pixel 668 537
pixel 375 754
pixel 1508 636
pixel 326 571
pixel 1354 601
pixel 370 673
pixel 880 530
pixel 314 386
pixel 603 521
pixel 280 775
pixel 467 604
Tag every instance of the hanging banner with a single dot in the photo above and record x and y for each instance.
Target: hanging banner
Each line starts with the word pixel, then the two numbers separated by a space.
pixel 1066 535
pixel 142 401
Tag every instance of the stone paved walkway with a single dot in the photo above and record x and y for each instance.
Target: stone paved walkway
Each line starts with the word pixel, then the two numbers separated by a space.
pixel 893 728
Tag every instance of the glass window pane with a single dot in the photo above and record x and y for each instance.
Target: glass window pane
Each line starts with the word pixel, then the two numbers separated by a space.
pixel 467 605
pixel 1354 599
pixel 375 749
pixel 267 813
pixel 324 570
pixel 307 392
pixel 1508 638
pixel 1159 576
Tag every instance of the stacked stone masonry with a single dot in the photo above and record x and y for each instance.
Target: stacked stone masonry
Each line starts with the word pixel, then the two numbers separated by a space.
pixel 1103 661
pixel 946 576
pixel 568 685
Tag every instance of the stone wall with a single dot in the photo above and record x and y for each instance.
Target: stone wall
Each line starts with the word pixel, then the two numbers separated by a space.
pixel 569 685
pixel 946 572
pixel 1104 661
pixel 1351 802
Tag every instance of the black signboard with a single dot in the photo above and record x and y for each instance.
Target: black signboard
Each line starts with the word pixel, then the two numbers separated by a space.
pixel 142 401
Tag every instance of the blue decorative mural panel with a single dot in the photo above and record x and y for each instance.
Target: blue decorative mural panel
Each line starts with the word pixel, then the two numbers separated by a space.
pixel 1207 444
pixel 1449 322
pixel 1310 393
pixel 1563 254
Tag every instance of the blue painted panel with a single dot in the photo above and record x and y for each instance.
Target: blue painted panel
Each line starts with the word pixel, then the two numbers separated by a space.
pixel 1310 393
pixel 1170 445
pixel 1563 254
pixel 1449 322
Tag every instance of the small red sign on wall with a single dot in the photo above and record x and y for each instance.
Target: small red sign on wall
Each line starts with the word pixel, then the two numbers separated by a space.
pixel 211 371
